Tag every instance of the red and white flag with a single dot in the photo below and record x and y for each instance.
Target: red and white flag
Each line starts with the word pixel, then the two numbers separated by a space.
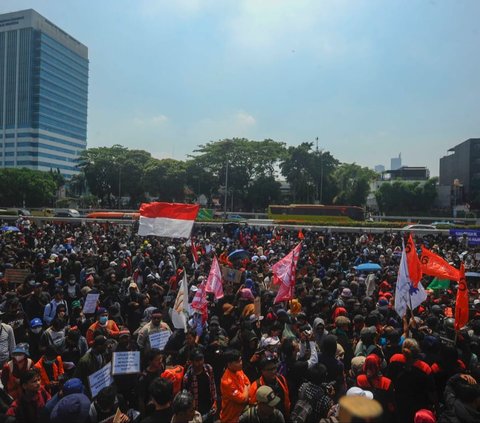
pixel 171 220
pixel 284 272
pixel 194 251
pixel 214 280
pixel 200 303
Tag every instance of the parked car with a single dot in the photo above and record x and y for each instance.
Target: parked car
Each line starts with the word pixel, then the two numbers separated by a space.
pixel 15 212
pixel 443 225
pixel 421 227
pixel 67 213
pixel 235 218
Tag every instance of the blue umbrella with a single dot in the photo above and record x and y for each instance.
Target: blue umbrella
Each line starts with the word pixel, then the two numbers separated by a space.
pixel 368 267
pixel 238 254
pixel 9 229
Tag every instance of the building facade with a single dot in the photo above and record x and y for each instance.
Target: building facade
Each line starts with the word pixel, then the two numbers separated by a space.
pixel 43 94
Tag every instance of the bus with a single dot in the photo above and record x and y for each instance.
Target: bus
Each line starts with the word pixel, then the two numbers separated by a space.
pixel 113 215
pixel 315 212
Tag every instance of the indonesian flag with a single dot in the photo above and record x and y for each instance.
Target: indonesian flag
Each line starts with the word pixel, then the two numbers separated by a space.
pixel 214 280
pixel 434 265
pixel 200 303
pixel 461 305
pixel 406 295
pixel 284 272
pixel 194 253
pixel 171 220
pixel 414 265
pixel 181 308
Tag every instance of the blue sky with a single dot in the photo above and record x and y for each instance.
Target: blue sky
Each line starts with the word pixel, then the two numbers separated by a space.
pixel 369 78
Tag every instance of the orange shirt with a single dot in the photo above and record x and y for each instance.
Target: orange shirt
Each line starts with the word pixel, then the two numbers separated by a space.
pixel 110 329
pixel 234 402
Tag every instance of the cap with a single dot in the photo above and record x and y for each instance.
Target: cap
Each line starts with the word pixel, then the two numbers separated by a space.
pixel 355 391
pixel 271 341
pixel 21 349
pixel 100 340
pixel 346 293
pixel 358 407
pixel 196 354
pixel 73 386
pixel 265 395
pixel 424 416
pixel 132 285
pixel 72 408
pixel 58 290
pixel 36 322
pixel 227 308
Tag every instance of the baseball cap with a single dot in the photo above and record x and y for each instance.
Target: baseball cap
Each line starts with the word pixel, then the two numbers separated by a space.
pixel 271 341
pixel 36 322
pixel 73 408
pixel 73 386
pixel 355 391
pixel 21 349
pixel 266 395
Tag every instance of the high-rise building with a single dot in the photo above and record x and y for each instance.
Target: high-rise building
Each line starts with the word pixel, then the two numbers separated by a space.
pixel 379 168
pixel 396 162
pixel 43 94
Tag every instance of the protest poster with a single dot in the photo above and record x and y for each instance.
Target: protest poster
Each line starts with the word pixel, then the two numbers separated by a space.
pixel 159 339
pixel 258 307
pixel 231 275
pixel 16 276
pixel 90 303
pixel 126 362
pixel 100 379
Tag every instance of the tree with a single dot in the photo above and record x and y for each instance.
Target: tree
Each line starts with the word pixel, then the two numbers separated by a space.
pixel 353 184
pixel 263 191
pixel 165 179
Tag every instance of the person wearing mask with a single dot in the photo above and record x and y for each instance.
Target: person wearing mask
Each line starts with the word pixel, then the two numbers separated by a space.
pixel 29 406
pixel 199 380
pixel 35 304
pixel 155 325
pixel 54 336
pixel 265 410
pixel 51 308
pixel 51 370
pixel 7 341
pixel 234 388
pixel 12 370
pixel 93 360
pixel 270 377
pixel 161 393
pixel 34 335
pixel 184 410
pixel 75 346
pixel 102 326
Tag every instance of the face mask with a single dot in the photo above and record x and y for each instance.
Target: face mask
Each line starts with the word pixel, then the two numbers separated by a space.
pixel 103 320
pixel 36 330
pixel 18 358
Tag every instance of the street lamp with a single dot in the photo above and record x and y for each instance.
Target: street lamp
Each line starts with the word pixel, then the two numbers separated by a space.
pixel 226 192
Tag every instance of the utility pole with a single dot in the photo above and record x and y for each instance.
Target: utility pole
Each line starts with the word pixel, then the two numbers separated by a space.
pixel 226 192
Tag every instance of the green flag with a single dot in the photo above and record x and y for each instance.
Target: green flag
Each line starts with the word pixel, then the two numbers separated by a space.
pixel 439 284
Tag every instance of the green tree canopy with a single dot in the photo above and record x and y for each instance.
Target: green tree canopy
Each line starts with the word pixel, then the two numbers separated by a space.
pixel 353 184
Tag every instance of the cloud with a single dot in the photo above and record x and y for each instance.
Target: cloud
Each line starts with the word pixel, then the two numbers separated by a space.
pixel 150 121
pixel 244 119
pixel 181 8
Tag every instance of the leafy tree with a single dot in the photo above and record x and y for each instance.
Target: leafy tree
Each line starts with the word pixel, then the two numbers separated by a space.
pixel 353 184
pixel 165 179
pixel 263 191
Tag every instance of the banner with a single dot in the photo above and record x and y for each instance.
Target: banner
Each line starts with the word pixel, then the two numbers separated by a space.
pixel 231 275
pixel 90 303
pixel 100 379
pixel 159 339
pixel 473 236
pixel 16 276
pixel 126 362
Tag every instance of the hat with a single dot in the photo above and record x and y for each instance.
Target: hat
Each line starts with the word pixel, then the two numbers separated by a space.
pixel 58 290
pixel 21 349
pixel 36 322
pixel 357 364
pixel 295 306
pixel 254 318
pixel 76 304
pixel 73 386
pixel 346 293
pixel 99 340
pixel 196 354
pixel 132 285
pixel 355 391
pixel 424 416
pixel 193 288
pixel 318 322
pixel 246 294
pixel 265 395
pixel 227 308
pixel 271 341
pixel 72 408
pixel 101 310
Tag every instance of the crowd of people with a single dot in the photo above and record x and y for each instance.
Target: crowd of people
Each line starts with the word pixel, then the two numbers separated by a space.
pixel 336 352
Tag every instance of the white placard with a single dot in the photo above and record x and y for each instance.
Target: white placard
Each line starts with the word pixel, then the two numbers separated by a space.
pixel 100 379
pixel 126 362
pixel 90 303
pixel 159 339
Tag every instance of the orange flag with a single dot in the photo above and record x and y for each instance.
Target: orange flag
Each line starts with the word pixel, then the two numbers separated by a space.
pixel 434 265
pixel 300 234
pixel 461 305
pixel 413 262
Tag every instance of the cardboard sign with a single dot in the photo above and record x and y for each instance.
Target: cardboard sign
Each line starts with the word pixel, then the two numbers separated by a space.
pixel 231 275
pixel 16 276
pixel 159 339
pixel 90 303
pixel 258 307
pixel 100 379
pixel 126 362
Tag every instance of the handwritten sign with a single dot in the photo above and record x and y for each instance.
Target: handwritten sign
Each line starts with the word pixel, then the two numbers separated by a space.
pixel 258 307
pixel 231 275
pixel 159 339
pixel 90 303
pixel 126 362
pixel 100 379
pixel 16 276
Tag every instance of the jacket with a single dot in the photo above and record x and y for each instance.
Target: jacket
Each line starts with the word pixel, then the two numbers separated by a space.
pixel 233 401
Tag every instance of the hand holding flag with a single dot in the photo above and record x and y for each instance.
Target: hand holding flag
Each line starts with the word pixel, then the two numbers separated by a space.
pixel 461 305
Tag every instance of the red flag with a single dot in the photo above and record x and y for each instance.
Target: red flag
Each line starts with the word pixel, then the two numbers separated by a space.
pixel 413 262
pixel 434 265
pixel 284 272
pixel 194 252
pixel 200 303
pixel 214 280
pixel 461 305
pixel 300 235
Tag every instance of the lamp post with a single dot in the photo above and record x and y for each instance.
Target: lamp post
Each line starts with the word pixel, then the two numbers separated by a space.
pixel 119 185
pixel 226 192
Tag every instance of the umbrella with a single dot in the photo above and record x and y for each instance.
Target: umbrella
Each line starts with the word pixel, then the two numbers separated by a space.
pixel 367 267
pixel 9 228
pixel 472 274
pixel 238 254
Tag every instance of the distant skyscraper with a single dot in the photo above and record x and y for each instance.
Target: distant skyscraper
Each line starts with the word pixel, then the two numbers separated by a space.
pixel 396 162
pixel 379 168
pixel 43 94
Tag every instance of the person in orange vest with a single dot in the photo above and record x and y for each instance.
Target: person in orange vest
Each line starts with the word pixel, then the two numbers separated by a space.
pixel 268 367
pixel 234 388
pixel 12 370
pixel 103 326
pixel 50 367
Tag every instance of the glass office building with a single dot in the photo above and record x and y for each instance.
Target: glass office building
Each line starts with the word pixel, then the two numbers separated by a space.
pixel 43 94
